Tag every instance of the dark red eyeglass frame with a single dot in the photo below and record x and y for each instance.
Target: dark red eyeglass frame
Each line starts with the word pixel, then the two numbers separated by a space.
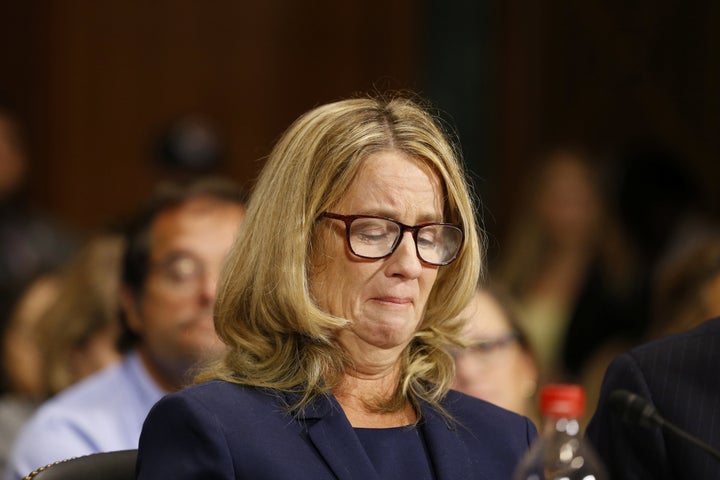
pixel 348 219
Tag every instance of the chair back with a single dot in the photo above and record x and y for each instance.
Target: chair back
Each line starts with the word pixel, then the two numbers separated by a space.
pixel 118 465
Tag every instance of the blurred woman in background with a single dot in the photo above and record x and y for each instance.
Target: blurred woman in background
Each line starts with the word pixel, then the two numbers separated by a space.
pixel 568 266
pixel 64 328
pixel 497 364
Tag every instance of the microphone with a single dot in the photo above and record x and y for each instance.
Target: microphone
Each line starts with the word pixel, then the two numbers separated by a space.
pixel 633 408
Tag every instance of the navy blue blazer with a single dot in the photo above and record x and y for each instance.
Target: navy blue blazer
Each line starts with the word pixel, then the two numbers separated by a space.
pixel 219 430
pixel 680 375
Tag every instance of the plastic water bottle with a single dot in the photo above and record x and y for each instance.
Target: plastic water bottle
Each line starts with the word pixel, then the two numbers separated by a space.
pixel 560 452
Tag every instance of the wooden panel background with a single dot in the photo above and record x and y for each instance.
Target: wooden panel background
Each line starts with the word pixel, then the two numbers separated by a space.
pixel 97 80
pixel 605 73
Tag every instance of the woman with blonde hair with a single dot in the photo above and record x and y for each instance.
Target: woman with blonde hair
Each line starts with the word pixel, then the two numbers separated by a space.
pixel 337 304
pixel 78 334
pixel 64 328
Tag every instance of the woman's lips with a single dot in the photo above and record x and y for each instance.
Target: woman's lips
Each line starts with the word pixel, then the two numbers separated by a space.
pixel 394 300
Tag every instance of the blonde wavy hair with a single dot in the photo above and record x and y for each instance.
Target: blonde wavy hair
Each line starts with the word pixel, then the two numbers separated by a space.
pixel 87 307
pixel 265 313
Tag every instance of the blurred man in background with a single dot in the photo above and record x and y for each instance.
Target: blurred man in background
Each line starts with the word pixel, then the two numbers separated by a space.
pixel 174 254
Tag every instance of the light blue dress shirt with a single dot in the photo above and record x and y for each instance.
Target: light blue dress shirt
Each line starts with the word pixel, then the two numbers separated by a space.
pixel 102 413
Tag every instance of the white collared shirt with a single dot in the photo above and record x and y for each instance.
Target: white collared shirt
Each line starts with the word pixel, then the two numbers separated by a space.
pixel 101 413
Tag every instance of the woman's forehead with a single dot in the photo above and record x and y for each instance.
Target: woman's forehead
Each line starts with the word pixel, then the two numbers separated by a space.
pixel 392 179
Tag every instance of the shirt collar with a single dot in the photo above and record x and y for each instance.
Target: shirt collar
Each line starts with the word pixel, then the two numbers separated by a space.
pixel 149 390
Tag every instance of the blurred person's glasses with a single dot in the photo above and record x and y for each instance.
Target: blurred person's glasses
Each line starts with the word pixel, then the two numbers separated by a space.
pixel 181 273
pixel 487 351
pixel 373 237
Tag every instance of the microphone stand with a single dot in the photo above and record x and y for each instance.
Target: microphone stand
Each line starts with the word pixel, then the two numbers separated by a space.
pixel 690 438
pixel 635 409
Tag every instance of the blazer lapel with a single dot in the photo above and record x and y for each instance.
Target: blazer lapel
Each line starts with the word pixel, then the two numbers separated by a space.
pixel 333 436
pixel 449 454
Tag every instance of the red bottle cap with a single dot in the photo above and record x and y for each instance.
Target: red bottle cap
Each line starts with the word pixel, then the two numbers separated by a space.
pixel 562 400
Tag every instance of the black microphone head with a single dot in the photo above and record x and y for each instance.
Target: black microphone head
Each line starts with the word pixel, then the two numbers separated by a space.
pixel 633 408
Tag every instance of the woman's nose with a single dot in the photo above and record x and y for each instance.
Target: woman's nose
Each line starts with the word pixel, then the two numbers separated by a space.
pixel 404 260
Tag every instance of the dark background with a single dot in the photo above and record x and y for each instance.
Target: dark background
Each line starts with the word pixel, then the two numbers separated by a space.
pixel 97 81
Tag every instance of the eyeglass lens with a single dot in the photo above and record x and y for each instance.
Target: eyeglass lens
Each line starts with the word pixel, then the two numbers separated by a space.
pixel 377 237
pixel 487 351
pixel 181 272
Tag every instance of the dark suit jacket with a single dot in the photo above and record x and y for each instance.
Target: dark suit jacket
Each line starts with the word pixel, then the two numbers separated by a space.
pixel 218 430
pixel 680 375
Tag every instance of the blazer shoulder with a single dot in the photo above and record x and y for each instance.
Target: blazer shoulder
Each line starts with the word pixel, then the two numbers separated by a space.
pixel 699 340
pixel 473 413
pixel 220 395
pixel 485 427
pixel 464 405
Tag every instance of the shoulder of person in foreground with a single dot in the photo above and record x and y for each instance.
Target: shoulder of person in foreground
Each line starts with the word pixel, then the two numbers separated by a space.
pixel 666 372
pixel 628 451
pixel 223 430
pixel 104 412
pixel 493 423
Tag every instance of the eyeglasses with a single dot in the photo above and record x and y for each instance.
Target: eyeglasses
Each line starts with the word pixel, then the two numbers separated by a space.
pixel 373 237
pixel 486 351
pixel 181 273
